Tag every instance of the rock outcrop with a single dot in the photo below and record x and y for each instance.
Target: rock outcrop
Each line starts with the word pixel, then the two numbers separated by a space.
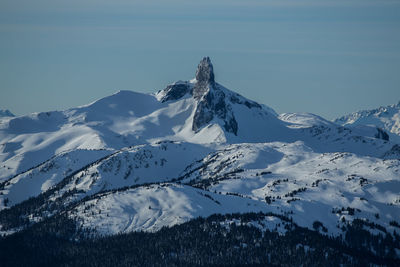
pixel 211 100
pixel 176 91
pixel 204 78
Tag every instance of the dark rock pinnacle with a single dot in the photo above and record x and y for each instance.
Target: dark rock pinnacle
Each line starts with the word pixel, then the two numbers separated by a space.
pixel 176 91
pixel 204 78
pixel 205 71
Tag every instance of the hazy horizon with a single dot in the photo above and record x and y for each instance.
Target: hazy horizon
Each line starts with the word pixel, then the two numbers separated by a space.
pixel 325 57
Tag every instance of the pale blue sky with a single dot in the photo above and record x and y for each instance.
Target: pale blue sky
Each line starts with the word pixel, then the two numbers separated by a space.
pixel 325 57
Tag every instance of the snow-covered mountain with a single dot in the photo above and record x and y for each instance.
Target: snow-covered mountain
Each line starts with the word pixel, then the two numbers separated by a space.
pixel 198 111
pixel 133 161
pixel 384 121
pixel 6 113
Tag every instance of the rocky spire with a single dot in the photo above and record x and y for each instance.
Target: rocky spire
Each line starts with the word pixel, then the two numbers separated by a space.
pixel 205 72
pixel 204 78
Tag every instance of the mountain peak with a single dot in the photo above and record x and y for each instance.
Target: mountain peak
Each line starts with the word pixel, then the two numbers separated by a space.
pixel 213 101
pixel 204 78
pixel 205 71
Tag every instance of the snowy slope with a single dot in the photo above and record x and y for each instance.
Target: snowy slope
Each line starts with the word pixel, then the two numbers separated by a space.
pixel 387 118
pixel 47 174
pixel 92 171
pixel 127 118
pixel 134 161
pixel 123 119
pixel 152 207
pixel 127 192
pixel 312 185
pixel 333 188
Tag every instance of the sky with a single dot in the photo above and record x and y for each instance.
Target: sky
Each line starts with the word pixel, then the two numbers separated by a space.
pixel 319 56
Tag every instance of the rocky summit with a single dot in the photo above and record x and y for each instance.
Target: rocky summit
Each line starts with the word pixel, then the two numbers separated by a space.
pixel 204 78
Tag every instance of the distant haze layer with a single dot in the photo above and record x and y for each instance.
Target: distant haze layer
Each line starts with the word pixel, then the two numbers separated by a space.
pixel 325 57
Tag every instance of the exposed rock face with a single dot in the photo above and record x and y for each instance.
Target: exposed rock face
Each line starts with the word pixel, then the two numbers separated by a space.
pixel 211 106
pixel 211 100
pixel 393 153
pixel 248 103
pixel 381 134
pixel 176 91
pixel 204 78
pixel 205 71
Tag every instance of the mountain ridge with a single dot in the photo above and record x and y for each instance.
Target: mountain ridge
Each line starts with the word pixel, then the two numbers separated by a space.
pixel 386 118
pixel 129 118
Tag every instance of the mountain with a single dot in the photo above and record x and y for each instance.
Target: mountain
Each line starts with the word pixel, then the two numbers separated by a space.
pixel 6 113
pixel 141 162
pixel 385 121
pixel 199 111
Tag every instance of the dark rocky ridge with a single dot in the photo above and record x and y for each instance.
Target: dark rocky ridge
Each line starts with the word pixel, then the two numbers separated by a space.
pixel 176 91
pixel 204 78
pixel 211 105
pixel 381 134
